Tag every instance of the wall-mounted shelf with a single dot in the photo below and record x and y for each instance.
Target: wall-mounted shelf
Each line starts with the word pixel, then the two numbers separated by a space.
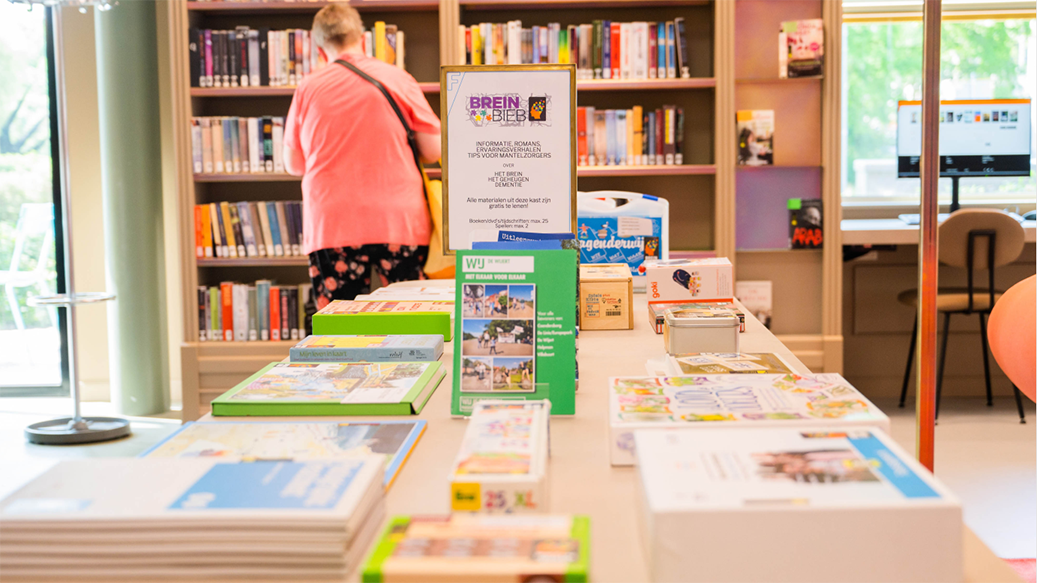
pixel 255 261
pixel 426 87
pixel 645 84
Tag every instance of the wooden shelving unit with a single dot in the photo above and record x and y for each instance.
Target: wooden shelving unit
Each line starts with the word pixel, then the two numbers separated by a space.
pixel 235 7
pixel 255 261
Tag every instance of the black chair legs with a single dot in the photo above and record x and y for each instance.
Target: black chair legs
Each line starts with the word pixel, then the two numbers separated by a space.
pixel 986 359
pixel 943 360
pixel 1019 403
pixel 910 360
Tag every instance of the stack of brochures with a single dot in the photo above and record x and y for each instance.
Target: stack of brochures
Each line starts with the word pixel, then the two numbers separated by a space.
pixel 151 518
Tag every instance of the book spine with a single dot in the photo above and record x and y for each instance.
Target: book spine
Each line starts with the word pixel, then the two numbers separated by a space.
pixel 581 135
pixel 682 48
pixel 401 50
pixel 197 162
pixel 207 55
pixel 282 225
pixel 278 143
pixel 253 313
pixel 245 62
pixel 669 146
pixel 253 58
pixel 264 57
pixel 299 226
pixel 196 56
pixel 217 59
pixel 292 314
pixel 304 298
pixel 203 333
pixel 285 333
pixel 275 229
pixel 464 45
pixel 625 53
pixel 234 55
pixel 390 43
pixel 300 57
pixel 263 308
pixel 606 49
pixel 653 50
pixel 671 51
pixel 268 144
pixel 659 136
pixel 610 133
pixel 678 156
pixel 228 144
pixel 216 314
pixel 225 55
pixel 240 312
pixel 589 122
pixel 206 130
pixel 257 228
pixel 217 144
pixel 206 230
pixel 650 136
pixel 379 40
pixel 239 231
pixel 616 43
pixel 227 227
pixel 292 78
pixel 264 222
pixel 621 137
pixel 245 218
pixel 636 118
pixel 596 49
pixel 292 247
pixel 553 47
pixel 601 137
pixel 227 299
pixel 254 146
pixel 586 55
pixel 217 233
pixel 246 164
pixel 199 242
pixel 275 313
pixel 423 354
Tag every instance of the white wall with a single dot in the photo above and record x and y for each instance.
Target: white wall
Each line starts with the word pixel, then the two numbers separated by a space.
pixel 79 55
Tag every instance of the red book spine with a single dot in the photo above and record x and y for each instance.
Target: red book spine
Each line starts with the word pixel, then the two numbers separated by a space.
pixel 659 137
pixel 227 299
pixel 285 332
pixel 199 239
pixel 581 135
pixel 275 312
pixel 653 50
pixel 616 56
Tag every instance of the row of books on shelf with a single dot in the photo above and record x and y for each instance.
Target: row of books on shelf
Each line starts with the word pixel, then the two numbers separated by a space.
pixel 617 137
pixel 234 145
pixel 237 312
pixel 248 229
pixel 600 50
pixel 249 57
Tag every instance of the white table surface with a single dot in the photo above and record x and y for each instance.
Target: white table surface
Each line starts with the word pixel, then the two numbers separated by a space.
pixel 897 232
pixel 582 480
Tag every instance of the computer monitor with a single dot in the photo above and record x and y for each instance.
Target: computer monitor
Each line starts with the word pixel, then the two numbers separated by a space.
pixel 978 137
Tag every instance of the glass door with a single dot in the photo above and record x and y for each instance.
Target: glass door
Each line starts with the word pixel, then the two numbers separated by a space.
pixel 33 350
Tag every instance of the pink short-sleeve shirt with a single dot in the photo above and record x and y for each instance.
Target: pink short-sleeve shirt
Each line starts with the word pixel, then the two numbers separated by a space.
pixel 361 184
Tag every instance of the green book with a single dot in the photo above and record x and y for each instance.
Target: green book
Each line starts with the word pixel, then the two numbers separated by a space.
pixel 333 388
pixel 515 328
pixel 355 318
pixel 537 547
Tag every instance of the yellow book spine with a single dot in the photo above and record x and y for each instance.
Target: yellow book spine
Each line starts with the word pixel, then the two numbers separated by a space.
pixel 477 46
pixel 228 227
pixel 379 40
pixel 638 114
pixel 206 231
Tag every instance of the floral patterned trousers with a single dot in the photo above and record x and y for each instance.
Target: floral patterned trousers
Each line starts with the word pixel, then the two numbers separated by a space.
pixel 342 273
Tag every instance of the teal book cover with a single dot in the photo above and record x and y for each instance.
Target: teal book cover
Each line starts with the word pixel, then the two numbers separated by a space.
pixel 515 328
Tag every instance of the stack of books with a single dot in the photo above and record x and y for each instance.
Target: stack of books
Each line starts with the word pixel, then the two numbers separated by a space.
pixel 248 229
pixel 625 137
pixel 248 57
pixel 237 312
pixel 831 503
pixel 237 145
pixel 600 50
pixel 152 518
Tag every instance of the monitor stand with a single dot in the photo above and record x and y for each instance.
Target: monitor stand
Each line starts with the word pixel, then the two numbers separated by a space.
pixel 955 205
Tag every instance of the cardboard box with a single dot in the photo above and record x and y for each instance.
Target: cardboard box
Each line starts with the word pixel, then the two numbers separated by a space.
pixel 502 465
pixel 606 297
pixel 690 280
pixel 732 400
pixel 832 504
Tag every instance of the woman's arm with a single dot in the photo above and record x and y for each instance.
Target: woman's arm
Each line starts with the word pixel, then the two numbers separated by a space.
pixel 429 147
pixel 294 162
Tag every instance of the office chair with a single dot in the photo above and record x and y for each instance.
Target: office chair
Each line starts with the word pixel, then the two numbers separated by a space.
pixel 972 239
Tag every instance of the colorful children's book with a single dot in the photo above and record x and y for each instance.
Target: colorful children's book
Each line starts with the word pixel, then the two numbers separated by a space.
pixel 735 400
pixel 755 134
pixel 324 388
pixel 468 547
pixel 502 464
pixel 816 500
pixel 516 327
pixel 384 317
pixel 806 223
pixel 372 348
pixel 297 441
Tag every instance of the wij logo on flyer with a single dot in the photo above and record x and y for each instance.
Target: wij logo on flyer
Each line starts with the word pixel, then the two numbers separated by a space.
pixel 507 109
pixel 496 264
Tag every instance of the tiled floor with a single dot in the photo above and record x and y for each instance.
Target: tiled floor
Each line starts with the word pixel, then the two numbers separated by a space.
pixel 983 454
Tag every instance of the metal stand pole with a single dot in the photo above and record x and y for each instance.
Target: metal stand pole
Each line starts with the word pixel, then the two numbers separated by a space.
pixel 925 411
pixel 75 429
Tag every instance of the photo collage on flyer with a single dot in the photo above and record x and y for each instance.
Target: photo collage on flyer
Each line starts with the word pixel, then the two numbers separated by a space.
pixel 498 338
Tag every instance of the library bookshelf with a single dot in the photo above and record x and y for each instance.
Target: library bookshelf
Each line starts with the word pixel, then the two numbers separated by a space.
pixel 700 192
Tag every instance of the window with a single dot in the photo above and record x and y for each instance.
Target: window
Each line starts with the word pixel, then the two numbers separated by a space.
pixel 32 347
pixel 882 64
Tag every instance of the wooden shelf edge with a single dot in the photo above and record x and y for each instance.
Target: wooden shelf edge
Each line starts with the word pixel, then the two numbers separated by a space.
pixel 671 170
pixel 645 84
pixel 775 80
pixel 542 4
pixel 308 5
pixel 247 177
pixel 430 87
pixel 292 261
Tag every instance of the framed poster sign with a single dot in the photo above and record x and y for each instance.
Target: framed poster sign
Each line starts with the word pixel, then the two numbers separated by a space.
pixel 509 151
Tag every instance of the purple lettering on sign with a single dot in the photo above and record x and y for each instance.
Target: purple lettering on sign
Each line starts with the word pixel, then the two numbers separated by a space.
pixel 498 102
pixel 513 103
pixel 487 102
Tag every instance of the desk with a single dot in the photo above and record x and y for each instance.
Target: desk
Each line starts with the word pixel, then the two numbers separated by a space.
pixel 581 479
pixel 897 232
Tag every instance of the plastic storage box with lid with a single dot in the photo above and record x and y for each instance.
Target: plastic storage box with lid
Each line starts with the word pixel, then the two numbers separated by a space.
pixel 831 504
pixel 623 227
pixel 688 331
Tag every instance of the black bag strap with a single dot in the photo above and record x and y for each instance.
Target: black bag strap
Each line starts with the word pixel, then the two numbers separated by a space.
pixel 412 138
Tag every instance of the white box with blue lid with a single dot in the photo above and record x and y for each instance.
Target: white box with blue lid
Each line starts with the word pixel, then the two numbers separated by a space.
pixel 623 227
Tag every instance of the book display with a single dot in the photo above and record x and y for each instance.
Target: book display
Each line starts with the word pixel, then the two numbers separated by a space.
pixel 236 312
pixel 385 317
pixel 703 401
pixel 621 137
pixel 843 492
pixel 382 348
pixel 264 440
pixel 248 229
